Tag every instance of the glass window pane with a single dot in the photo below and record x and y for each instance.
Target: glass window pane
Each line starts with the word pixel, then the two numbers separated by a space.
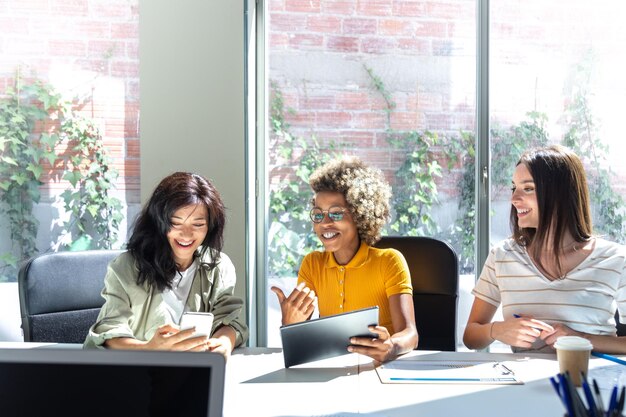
pixel 393 84
pixel 69 127
pixel 556 77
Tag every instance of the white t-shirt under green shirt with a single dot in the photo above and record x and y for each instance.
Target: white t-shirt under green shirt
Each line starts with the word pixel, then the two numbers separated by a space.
pixel 176 297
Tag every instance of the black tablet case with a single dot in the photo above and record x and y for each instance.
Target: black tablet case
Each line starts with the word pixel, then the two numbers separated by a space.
pixel 325 337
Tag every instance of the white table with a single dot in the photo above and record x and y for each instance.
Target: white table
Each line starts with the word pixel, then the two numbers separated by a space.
pixel 534 398
pixel 257 384
pixel 37 345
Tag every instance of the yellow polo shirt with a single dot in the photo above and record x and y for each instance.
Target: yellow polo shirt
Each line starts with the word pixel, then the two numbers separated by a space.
pixel 369 279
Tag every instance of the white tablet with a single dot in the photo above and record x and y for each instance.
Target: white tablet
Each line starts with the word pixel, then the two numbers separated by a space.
pixel 325 337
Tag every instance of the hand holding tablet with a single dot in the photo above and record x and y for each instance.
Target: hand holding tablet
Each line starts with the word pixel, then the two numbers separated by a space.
pixel 327 336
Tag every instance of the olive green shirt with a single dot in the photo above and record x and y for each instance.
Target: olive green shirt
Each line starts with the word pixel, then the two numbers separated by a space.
pixel 137 311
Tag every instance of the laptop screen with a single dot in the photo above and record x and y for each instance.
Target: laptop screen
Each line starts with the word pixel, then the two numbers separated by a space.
pixel 38 382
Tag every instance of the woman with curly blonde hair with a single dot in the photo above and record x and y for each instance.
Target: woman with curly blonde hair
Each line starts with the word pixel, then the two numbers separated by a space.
pixel 350 208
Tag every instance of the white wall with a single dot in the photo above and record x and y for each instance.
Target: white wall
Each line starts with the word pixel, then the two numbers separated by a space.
pixel 192 103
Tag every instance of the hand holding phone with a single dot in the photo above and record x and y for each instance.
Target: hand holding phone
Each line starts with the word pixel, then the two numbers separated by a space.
pixel 203 322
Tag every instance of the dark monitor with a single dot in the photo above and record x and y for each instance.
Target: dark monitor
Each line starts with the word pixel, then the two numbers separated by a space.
pixel 72 382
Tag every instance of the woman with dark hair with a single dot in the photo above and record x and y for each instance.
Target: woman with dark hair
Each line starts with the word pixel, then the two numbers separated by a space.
pixel 350 209
pixel 553 277
pixel 173 265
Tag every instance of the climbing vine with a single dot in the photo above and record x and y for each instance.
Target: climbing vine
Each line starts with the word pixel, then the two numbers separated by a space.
pixel 290 234
pixel 415 191
pixel 44 136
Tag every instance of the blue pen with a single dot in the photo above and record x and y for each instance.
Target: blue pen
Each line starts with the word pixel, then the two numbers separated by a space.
pixel 577 404
pixel 426 379
pixel 555 384
pixel 608 357
pixel 517 316
pixel 612 402
pixel 620 402
pixel 599 401
pixel 566 396
pixel 590 401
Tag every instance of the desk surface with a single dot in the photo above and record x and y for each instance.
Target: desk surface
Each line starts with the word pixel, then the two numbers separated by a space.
pixel 34 345
pixel 533 398
pixel 258 384
pixel 349 385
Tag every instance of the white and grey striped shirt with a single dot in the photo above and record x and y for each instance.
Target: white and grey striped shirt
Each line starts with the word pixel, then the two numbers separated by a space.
pixel 584 300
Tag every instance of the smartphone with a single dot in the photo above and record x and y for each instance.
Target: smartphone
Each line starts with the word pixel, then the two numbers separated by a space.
pixel 202 321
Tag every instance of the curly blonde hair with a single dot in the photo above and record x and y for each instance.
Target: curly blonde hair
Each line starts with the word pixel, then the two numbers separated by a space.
pixel 365 189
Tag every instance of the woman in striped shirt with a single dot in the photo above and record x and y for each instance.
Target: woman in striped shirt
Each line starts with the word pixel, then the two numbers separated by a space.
pixel 553 277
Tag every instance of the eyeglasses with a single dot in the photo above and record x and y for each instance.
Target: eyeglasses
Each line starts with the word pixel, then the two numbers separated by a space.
pixel 335 214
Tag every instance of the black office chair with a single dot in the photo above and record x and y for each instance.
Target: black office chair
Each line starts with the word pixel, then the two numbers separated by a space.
pixel 621 327
pixel 60 294
pixel 434 268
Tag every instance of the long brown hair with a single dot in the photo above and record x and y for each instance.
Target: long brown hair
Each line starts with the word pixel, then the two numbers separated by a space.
pixel 562 199
pixel 148 243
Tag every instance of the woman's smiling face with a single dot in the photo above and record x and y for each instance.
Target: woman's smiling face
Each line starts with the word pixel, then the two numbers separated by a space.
pixel 189 228
pixel 339 237
pixel 524 198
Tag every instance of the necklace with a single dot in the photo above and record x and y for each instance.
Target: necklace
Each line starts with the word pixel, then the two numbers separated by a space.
pixel 573 243
pixel 576 245
pixel 562 249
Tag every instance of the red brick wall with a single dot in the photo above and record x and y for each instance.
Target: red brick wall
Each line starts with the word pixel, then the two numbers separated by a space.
pixel 424 52
pixel 340 104
pixel 88 48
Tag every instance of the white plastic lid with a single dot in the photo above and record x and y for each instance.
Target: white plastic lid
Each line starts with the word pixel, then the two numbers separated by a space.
pixel 572 343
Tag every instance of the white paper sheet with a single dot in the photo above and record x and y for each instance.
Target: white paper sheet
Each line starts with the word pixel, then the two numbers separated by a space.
pixel 415 371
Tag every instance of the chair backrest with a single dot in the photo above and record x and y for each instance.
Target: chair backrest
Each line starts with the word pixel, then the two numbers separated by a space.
pixel 434 268
pixel 621 327
pixel 60 294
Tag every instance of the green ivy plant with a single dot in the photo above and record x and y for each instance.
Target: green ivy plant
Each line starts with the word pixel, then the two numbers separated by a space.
pixel 95 214
pixel 507 144
pixel 415 191
pixel 34 122
pixel 21 169
pixel 290 234
pixel 462 231
pixel 582 137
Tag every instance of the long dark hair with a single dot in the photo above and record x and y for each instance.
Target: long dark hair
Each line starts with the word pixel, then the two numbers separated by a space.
pixel 148 243
pixel 562 199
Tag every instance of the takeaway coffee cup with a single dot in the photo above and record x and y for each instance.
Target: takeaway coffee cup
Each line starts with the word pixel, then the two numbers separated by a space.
pixel 573 355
